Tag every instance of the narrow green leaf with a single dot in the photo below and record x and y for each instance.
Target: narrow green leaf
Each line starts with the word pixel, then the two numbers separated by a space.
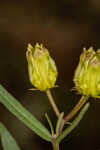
pixel 73 124
pixel 22 114
pixel 50 123
pixel 8 142
pixel 59 121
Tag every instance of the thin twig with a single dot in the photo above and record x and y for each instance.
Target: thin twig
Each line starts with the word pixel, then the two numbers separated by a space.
pixel 78 106
pixel 53 104
pixel 74 124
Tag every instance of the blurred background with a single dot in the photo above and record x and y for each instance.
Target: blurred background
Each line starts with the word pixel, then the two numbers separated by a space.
pixel 64 27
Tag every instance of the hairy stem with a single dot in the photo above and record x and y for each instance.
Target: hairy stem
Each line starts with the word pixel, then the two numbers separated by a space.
pixel 78 106
pixel 51 100
pixel 73 125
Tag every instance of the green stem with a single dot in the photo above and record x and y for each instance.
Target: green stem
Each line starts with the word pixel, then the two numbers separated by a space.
pixel 76 109
pixel 51 100
pixel 73 124
pixel 56 146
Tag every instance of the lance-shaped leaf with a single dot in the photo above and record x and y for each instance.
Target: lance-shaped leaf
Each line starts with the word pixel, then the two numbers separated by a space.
pixel 59 122
pixel 22 114
pixel 7 141
pixel 50 124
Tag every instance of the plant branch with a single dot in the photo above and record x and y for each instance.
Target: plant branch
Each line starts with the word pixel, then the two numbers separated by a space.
pixel 73 125
pixel 78 106
pixel 53 104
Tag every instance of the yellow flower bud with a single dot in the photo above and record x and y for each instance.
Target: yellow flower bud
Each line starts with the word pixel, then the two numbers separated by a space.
pixel 41 67
pixel 87 74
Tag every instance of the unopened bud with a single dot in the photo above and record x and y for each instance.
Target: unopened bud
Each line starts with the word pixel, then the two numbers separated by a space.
pixel 41 67
pixel 87 74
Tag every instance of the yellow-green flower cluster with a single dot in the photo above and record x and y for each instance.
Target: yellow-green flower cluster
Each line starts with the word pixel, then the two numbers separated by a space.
pixel 87 74
pixel 41 67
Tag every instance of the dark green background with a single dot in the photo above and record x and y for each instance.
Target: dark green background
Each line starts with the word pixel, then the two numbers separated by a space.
pixel 64 27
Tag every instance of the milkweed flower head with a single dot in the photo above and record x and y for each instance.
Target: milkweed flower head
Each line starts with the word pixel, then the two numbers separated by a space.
pixel 41 67
pixel 87 74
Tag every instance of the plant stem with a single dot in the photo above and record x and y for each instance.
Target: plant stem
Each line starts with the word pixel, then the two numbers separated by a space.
pixel 51 100
pixel 56 146
pixel 78 106
pixel 73 125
